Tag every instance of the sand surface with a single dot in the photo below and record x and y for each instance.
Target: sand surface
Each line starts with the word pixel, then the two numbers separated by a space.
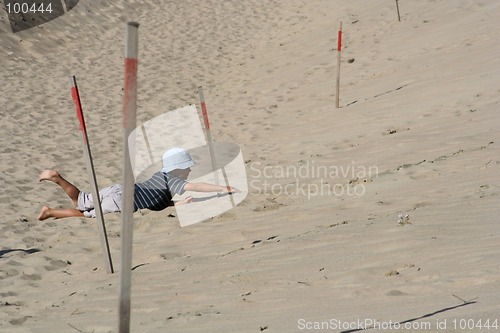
pixel 418 133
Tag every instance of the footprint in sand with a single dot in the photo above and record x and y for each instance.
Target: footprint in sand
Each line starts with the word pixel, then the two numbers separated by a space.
pixel 8 294
pixel 19 321
pixel 56 264
pixel 396 293
pixel 8 272
pixel 31 277
pixel 30 241
pixel 268 205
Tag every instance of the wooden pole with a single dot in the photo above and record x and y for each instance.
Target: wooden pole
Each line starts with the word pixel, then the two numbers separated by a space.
pixel 129 123
pixel 93 182
pixel 397 7
pixel 339 48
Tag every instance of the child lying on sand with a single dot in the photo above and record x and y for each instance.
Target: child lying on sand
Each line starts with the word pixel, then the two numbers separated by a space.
pixel 154 194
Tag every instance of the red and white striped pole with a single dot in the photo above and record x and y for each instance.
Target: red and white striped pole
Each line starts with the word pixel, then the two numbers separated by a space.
pixel 339 48
pixel 129 123
pixel 93 182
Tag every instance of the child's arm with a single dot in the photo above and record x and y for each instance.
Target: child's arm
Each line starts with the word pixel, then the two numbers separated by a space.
pixel 204 187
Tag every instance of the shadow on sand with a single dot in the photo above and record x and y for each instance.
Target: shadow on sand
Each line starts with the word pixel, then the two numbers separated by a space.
pixel 29 251
pixel 416 318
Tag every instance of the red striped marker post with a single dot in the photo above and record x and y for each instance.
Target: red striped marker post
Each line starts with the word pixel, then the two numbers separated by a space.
pixel 211 145
pixel 129 123
pixel 209 134
pixel 93 182
pixel 339 49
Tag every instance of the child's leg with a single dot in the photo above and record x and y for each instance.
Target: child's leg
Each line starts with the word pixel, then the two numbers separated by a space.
pixel 58 213
pixel 55 177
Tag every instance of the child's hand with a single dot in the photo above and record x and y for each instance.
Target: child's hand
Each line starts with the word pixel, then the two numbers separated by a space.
pixel 184 201
pixel 230 189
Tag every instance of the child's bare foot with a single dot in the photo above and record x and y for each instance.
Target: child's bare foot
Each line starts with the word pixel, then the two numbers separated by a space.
pixel 51 175
pixel 44 213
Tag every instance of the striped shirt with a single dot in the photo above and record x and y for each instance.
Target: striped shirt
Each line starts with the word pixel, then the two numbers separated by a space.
pixel 156 192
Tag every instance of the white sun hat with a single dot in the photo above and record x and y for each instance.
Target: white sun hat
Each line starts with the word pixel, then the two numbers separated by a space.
pixel 176 158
